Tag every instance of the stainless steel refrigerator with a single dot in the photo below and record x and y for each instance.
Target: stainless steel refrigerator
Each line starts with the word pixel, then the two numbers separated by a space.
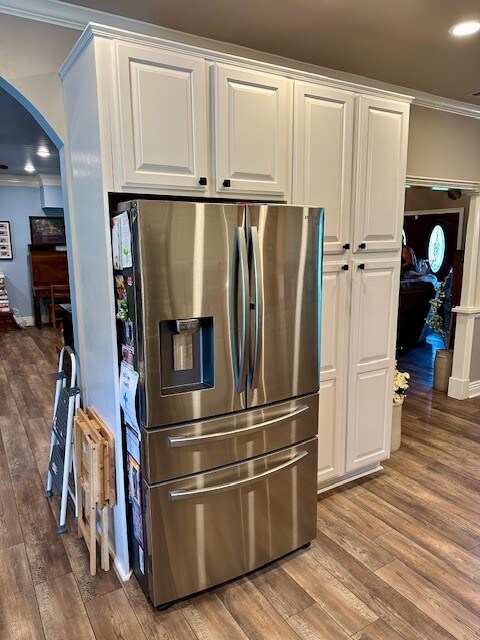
pixel 221 321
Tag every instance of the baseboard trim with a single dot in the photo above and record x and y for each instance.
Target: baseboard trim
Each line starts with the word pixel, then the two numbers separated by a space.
pixel 123 574
pixel 349 478
pixel 474 389
pixel 458 388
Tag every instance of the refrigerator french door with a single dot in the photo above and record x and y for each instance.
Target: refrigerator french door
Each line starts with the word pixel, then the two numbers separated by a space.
pixel 225 305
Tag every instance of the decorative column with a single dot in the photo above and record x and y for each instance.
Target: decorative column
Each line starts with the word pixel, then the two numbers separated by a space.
pixel 468 313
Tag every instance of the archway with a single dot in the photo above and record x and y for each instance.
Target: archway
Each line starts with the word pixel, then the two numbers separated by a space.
pixel 34 112
pixel 59 143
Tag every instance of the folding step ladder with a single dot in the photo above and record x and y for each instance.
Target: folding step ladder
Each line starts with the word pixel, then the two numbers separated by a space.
pixel 62 454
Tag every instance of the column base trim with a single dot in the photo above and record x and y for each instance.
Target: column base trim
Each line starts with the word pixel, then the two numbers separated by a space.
pixel 458 388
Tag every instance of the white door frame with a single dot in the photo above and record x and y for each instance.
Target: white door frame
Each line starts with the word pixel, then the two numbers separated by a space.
pixel 460 386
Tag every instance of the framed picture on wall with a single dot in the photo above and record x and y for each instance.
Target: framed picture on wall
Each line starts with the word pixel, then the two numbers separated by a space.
pixel 47 230
pixel 6 252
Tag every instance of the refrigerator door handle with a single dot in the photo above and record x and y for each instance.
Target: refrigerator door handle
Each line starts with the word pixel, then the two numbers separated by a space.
pixel 258 285
pixel 240 261
pixel 183 494
pixel 183 441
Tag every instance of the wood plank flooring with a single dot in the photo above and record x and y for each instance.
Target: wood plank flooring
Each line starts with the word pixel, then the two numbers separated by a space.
pixel 397 555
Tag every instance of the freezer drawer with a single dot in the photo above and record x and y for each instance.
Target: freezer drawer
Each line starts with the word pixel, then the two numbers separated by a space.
pixel 173 452
pixel 215 526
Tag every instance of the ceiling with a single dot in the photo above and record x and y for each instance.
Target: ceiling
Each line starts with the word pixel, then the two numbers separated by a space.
pixel 405 42
pixel 20 138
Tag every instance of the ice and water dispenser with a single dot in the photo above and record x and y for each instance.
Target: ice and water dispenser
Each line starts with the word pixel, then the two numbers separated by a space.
pixel 187 354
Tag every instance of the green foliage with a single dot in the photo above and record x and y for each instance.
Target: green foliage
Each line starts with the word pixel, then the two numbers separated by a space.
pixel 436 317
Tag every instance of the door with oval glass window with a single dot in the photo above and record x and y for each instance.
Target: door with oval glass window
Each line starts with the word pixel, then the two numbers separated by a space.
pixel 434 237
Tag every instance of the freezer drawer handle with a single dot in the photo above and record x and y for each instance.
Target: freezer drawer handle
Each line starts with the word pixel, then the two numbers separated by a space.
pixel 183 441
pixel 183 494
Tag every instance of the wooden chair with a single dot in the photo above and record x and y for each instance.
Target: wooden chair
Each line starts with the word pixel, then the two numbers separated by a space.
pixel 58 293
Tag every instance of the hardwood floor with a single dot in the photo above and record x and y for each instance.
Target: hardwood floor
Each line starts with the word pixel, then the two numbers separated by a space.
pixel 397 556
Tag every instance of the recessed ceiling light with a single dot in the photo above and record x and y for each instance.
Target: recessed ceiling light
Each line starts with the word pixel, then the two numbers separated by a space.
pixel 43 152
pixel 29 167
pixel 465 28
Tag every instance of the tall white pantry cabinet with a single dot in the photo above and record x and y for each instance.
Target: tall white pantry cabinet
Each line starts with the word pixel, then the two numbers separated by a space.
pixel 150 116
pixel 350 153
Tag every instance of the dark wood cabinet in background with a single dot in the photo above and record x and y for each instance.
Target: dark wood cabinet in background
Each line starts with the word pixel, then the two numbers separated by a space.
pixel 47 267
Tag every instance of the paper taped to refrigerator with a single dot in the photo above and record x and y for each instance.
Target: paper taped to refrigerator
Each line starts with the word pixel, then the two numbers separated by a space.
pixel 128 391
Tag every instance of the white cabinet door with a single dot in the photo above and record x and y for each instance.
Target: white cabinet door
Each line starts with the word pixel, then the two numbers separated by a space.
pixel 162 119
pixel 373 323
pixel 380 178
pixel 252 131
pixel 322 157
pixel 331 425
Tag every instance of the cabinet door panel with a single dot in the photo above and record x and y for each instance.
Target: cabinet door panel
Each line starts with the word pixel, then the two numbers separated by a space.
pixel 323 143
pixel 252 129
pixel 372 353
pixel 330 458
pixel 162 118
pixel 332 374
pixel 381 169
pixel 373 306
pixel 369 440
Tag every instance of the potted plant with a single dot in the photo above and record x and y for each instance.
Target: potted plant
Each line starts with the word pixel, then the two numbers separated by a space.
pixel 400 386
pixel 438 322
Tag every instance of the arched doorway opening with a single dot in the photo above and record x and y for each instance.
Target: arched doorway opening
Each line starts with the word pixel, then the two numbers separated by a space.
pixel 464 297
pixel 24 105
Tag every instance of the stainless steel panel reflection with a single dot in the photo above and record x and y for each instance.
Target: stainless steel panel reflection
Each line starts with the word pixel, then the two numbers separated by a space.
pixel 171 452
pixel 239 518
pixel 183 270
pixel 289 241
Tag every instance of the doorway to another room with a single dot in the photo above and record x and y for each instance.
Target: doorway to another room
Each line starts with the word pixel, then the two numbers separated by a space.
pixel 34 280
pixel 431 279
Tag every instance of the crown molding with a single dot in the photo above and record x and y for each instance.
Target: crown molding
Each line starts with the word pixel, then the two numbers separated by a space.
pixel 49 180
pixel 248 58
pixel 40 180
pixel 77 17
pixel 10 180
pixel 463 185
pixel 431 101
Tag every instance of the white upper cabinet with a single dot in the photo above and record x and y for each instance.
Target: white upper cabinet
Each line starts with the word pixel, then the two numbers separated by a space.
pixel 252 131
pixel 161 119
pixel 322 157
pixel 380 175
pixel 373 322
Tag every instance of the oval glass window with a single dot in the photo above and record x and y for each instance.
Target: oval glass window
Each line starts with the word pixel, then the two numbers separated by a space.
pixel 436 248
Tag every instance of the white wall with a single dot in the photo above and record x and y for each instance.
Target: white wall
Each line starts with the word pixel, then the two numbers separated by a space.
pixel 443 145
pixel 31 54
